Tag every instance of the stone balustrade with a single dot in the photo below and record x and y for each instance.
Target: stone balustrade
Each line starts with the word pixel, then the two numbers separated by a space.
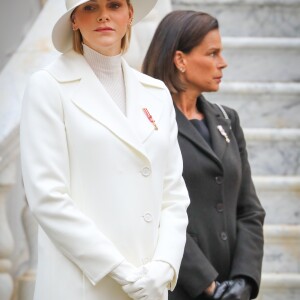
pixel 7 181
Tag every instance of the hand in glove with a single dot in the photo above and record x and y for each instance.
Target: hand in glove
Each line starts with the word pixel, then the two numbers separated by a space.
pixel 125 273
pixel 152 285
pixel 216 290
pixel 239 289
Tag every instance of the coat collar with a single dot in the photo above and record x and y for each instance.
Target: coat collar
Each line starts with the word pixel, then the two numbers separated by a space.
pixel 214 118
pixel 91 97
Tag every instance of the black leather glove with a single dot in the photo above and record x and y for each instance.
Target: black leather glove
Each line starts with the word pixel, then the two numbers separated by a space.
pixel 238 289
pixel 221 288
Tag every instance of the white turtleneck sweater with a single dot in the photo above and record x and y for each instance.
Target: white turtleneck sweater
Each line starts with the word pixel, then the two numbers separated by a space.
pixel 109 71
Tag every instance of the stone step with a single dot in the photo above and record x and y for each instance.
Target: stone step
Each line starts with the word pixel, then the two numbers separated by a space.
pixel 262 105
pixel 282 249
pixel 269 18
pixel 273 152
pixel 262 59
pixel 282 286
pixel 280 197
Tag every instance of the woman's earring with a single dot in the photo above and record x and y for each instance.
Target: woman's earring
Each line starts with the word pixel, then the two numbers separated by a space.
pixel 131 21
pixel 182 69
pixel 73 24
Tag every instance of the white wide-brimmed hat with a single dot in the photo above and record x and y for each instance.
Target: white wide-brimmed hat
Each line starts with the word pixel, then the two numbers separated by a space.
pixel 62 30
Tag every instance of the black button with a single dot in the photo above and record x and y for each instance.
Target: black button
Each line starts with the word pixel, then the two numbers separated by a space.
pixel 220 207
pixel 224 236
pixel 219 180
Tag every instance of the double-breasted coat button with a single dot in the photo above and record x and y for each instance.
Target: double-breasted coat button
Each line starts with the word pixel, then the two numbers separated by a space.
pixel 219 179
pixel 148 217
pixel 224 236
pixel 146 171
pixel 220 207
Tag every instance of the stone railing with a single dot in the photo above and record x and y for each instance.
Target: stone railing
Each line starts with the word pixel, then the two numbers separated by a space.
pixel 8 153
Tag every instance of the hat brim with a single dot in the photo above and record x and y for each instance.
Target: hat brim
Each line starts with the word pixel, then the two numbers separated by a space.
pixel 62 30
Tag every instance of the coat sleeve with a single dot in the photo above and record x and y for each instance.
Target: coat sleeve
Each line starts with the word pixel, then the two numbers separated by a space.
pixel 248 255
pixel 174 219
pixel 46 176
pixel 196 272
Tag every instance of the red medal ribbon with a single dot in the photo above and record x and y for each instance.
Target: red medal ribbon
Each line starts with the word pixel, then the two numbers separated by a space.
pixel 150 118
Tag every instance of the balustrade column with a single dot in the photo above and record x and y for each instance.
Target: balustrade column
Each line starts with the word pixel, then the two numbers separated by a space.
pixel 26 282
pixel 6 247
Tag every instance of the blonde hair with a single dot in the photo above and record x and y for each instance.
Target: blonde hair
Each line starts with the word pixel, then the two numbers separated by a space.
pixel 77 37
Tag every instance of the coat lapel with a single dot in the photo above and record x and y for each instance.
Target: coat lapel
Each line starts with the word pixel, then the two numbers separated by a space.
pixel 139 98
pixel 187 129
pixel 91 97
pixel 215 119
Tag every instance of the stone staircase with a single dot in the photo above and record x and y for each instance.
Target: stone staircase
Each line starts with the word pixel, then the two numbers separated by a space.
pixel 261 40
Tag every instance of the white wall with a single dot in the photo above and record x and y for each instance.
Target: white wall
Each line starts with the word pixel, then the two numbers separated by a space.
pixel 16 18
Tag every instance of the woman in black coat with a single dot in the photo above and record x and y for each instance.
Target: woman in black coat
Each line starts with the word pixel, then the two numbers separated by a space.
pixel 224 248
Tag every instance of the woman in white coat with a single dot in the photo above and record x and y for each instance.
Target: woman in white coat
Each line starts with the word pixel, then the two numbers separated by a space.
pixel 101 165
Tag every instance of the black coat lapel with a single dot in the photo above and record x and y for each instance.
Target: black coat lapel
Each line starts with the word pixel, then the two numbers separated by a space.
pixel 215 120
pixel 186 129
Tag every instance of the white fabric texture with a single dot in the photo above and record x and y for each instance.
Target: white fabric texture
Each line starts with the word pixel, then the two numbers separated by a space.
pixel 103 187
pixel 154 282
pixel 108 69
pixel 125 273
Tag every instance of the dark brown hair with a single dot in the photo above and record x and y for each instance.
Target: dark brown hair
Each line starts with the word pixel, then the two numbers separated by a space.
pixel 180 30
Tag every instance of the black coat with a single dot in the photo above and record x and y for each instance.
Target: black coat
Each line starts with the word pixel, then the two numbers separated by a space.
pixel 225 231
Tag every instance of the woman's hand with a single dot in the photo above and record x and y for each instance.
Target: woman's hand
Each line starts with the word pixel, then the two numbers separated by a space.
pixel 216 290
pixel 125 273
pixel 239 289
pixel 152 285
pixel 211 289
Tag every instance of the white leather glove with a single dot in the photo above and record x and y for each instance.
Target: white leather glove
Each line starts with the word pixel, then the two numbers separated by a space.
pixel 153 284
pixel 125 273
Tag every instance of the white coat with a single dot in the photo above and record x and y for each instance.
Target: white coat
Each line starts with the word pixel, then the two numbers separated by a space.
pixel 103 186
